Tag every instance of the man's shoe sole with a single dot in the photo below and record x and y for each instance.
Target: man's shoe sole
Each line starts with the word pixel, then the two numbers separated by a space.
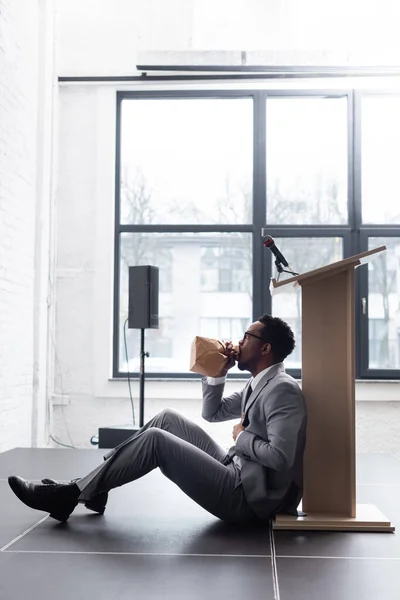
pixel 60 517
pixel 95 507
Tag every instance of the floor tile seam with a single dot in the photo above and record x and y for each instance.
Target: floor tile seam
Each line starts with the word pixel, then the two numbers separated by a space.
pixel 378 485
pixel 23 534
pixel 274 567
pixel 380 558
pixel 158 554
pixel 38 480
pixel 5 480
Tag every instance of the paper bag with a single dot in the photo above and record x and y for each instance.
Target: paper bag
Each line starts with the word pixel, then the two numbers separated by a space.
pixel 207 356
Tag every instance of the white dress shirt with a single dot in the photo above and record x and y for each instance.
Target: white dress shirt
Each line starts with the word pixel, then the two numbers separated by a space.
pixel 253 382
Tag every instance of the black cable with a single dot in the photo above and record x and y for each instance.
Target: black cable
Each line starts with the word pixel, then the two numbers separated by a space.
pixel 129 379
pixel 57 366
pixel 66 427
pixel 60 443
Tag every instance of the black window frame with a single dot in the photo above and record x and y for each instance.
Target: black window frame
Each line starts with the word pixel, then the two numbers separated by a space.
pixel 364 232
pixel 354 233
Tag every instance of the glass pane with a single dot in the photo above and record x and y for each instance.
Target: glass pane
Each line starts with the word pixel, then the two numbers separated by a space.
pixel 307 160
pixel 303 254
pixel 186 161
pixel 384 305
pixel 380 159
pixel 205 289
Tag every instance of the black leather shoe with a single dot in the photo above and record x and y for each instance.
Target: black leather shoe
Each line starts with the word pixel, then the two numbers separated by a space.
pixel 96 504
pixel 58 499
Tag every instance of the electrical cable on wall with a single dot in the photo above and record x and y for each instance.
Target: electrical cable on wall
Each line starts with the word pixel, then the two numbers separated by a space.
pixel 60 443
pixel 57 366
pixel 94 440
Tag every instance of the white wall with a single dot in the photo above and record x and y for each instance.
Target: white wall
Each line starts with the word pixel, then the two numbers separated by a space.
pixel 108 37
pixel 18 113
pixel 46 166
pixel 23 146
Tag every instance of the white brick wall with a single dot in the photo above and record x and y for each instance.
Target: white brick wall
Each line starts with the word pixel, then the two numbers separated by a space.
pixel 76 229
pixel 18 114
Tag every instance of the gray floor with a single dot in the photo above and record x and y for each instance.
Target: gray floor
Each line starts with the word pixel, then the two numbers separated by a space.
pixel 153 542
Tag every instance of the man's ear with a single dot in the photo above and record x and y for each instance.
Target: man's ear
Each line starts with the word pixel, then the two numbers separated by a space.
pixel 266 349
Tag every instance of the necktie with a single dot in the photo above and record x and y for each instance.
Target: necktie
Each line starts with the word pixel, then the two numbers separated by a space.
pixel 232 451
pixel 245 421
pixel 248 394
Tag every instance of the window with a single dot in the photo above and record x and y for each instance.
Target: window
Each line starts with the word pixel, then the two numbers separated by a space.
pixel 227 268
pixel 302 254
pixel 307 142
pixel 384 305
pixel 186 161
pixel 380 213
pixel 143 248
pixel 380 151
pixel 202 175
pixel 185 302
pixel 158 343
pixel 378 343
pixel 184 204
pixel 224 328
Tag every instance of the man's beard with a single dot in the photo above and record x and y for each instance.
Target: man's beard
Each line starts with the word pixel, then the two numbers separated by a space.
pixel 242 365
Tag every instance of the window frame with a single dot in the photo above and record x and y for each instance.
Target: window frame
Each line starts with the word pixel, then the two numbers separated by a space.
pixel 365 371
pixel 354 233
pixel 124 228
pixel 363 233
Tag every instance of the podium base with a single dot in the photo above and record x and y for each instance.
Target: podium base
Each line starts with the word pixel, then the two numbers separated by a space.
pixel 368 518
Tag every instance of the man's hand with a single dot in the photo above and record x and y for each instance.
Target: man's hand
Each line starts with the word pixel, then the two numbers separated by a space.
pixel 232 355
pixel 238 428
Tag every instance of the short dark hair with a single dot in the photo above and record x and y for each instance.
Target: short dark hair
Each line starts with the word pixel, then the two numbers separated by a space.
pixel 279 335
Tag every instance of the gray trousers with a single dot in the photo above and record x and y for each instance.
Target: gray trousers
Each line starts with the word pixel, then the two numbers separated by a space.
pixel 185 454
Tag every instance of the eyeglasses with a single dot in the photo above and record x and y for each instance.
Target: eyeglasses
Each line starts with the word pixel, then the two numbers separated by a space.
pixel 247 335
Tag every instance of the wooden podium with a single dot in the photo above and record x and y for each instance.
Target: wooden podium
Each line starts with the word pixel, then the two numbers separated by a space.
pixel 328 383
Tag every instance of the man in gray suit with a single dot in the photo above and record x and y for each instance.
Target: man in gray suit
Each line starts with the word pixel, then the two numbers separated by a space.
pixel 261 474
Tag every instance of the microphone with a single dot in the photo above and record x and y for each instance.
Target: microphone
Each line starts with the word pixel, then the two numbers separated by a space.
pixel 269 242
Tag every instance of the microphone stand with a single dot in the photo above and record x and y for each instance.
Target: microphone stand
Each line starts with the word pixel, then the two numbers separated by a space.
pixel 280 269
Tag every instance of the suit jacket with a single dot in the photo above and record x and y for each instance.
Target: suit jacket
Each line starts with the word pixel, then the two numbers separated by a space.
pixel 272 446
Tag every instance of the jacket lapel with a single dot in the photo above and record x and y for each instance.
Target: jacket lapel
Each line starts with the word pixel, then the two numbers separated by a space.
pixel 260 386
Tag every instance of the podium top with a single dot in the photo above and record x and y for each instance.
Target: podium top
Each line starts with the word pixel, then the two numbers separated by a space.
pixel 328 270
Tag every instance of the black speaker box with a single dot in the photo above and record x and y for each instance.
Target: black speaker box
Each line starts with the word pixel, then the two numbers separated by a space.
pixel 143 297
pixel 110 437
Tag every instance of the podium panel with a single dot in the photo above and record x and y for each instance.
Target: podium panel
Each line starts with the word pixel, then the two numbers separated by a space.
pixel 328 386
